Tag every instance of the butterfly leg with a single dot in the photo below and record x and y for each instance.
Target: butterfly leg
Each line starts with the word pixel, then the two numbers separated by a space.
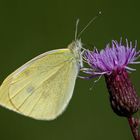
pixel 88 71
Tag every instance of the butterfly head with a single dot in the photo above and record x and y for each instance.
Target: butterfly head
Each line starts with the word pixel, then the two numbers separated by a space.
pixel 76 48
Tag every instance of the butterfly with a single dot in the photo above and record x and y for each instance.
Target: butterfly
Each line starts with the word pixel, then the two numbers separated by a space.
pixel 42 88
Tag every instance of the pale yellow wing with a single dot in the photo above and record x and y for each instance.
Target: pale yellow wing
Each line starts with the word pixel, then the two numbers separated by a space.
pixel 41 88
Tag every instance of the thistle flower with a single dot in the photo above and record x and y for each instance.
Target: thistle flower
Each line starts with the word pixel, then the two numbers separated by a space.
pixel 112 62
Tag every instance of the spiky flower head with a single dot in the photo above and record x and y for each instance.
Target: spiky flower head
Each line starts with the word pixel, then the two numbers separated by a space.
pixel 112 62
pixel 114 57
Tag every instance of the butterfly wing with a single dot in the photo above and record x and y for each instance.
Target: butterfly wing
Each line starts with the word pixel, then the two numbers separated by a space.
pixel 43 87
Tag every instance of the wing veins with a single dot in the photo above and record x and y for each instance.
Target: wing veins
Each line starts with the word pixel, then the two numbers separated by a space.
pixel 17 108
pixel 19 90
pixel 42 93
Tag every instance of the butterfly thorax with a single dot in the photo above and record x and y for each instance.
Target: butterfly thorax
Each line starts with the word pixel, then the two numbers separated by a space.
pixel 76 47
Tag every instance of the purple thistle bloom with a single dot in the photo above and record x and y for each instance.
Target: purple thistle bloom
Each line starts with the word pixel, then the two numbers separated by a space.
pixel 112 62
pixel 112 58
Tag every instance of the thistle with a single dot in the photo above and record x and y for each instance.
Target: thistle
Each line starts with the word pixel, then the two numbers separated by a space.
pixel 112 63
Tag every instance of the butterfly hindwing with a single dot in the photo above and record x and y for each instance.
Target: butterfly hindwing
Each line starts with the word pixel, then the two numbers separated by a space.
pixel 42 87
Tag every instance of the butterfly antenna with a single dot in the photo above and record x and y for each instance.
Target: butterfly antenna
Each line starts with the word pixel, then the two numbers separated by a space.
pixel 76 28
pixel 93 19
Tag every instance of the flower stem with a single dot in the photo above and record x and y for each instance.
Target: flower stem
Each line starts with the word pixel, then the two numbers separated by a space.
pixel 134 125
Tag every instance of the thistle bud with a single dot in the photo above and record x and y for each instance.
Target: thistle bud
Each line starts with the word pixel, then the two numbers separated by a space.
pixel 123 98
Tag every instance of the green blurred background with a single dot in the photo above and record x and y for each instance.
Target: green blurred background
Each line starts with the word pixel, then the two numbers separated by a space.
pixel 29 28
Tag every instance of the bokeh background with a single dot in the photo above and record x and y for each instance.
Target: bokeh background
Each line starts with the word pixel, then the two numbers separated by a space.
pixel 30 27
